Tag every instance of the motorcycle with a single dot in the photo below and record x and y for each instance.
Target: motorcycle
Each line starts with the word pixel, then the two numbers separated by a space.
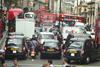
pixel 33 53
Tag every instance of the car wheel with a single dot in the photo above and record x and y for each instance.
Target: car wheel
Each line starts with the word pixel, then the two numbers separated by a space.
pixel 25 56
pixel 59 56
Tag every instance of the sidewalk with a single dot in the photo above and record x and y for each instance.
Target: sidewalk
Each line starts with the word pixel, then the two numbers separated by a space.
pixel 2 40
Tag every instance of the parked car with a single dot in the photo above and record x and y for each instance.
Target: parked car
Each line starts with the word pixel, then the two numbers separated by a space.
pixel 50 49
pixel 16 47
pixel 81 50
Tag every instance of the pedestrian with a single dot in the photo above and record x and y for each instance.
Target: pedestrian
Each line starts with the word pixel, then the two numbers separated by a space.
pixel 46 65
pixel 50 62
pixel 15 62
pixel 60 38
pixel 65 63
pixel 11 21
pixel 67 42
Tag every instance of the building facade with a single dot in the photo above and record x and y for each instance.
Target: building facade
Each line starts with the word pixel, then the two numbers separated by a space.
pixel 67 6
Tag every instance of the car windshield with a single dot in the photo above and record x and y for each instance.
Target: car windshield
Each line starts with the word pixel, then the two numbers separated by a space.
pixel 77 45
pixel 51 44
pixel 18 41
pixel 11 44
pixel 47 36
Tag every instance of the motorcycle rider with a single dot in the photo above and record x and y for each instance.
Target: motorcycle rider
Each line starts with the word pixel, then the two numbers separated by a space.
pixel 34 46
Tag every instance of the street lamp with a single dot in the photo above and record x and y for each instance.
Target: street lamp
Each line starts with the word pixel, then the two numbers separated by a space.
pixel 48 4
pixel 59 12
pixel 1 4
pixel 1 8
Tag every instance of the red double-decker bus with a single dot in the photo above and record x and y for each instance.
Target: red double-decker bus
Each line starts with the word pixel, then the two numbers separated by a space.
pixel 97 27
pixel 71 19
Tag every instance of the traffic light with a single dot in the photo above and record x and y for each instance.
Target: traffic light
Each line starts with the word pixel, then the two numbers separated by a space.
pixel 61 17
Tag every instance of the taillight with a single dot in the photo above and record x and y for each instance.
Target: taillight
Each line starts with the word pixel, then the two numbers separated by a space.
pixel 57 48
pixel 33 52
pixel 64 52
pixel 24 48
pixel 5 48
pixel 42 48
pixel 82 51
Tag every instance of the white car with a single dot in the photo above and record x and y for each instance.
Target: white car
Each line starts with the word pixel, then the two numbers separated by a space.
pixel 15 35
pixel 67 30
pixel 91 33
pixel 44 36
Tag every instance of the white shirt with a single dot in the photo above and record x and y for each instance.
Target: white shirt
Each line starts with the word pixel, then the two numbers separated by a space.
pixel 51 65
pixel 64 65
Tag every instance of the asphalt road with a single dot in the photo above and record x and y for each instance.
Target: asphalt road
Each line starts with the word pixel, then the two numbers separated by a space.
pixel 38 63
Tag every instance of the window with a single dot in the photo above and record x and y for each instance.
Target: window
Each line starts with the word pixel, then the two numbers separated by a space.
pixel 98 16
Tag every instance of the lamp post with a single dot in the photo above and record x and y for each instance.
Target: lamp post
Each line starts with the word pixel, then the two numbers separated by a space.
pixel 59 12
pixel 48 5
pixel 1 4
pixel 77 7
pixel 1 8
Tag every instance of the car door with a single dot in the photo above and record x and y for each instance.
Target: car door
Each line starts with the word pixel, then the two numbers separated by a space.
pixel 90 48
pixel 93 50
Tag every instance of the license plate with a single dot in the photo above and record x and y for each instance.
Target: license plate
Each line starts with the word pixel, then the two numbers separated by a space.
pixel 73 51
pixel 32 54
pixel 72 54
pixel 50 49
pixel 14 51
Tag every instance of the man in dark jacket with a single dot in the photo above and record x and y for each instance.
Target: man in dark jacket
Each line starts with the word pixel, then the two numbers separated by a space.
pixel 67 43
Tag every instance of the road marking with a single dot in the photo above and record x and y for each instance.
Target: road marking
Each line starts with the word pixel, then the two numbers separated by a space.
pixel 21 64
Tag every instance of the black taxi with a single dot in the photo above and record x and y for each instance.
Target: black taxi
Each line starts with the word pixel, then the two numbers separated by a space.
pixel 16 47
pixel 50 49
pixel 81 50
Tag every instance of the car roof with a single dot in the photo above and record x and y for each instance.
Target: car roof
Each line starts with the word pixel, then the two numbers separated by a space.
pixel 17 37
pixel 50 40
pixel 46 32
pixel 15 33
pixel 15 41
pixel 79 39
pixel 79 35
